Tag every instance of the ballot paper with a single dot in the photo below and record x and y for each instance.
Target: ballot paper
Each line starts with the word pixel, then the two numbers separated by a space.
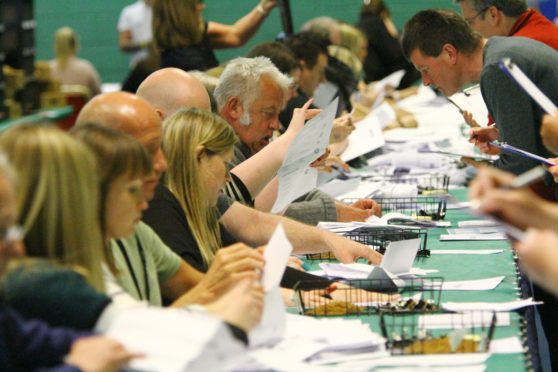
pixel 476 230
pixel 273 323
pixel 466 237
pixel 462 320
pixel 336 188
pixel 193 341
pixel 508 345
pixel 473 285
pixel 296 177
pixel 368 135
pixel 477 223
pixel 465 251
pixel 464 362
pixel 491 306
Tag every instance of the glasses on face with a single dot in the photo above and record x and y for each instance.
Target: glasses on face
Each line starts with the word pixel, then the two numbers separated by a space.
pixel 471 20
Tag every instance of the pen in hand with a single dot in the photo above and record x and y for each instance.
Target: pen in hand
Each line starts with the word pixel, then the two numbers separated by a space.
pixel 332 288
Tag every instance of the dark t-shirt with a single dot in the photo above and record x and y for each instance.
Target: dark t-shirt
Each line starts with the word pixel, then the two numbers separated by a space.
pixel 167 218
pixel 193 57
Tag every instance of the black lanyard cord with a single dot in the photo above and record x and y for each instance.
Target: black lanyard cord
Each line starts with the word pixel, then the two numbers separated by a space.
pixel 131 268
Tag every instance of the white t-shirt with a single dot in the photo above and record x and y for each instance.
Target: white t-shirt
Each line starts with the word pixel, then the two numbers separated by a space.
pixel 136 18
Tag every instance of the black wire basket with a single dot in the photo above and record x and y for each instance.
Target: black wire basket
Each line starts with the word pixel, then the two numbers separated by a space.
pixel 369 296
pixel 379 237
pixel 421 208
pixel 427 184
pixel 409 334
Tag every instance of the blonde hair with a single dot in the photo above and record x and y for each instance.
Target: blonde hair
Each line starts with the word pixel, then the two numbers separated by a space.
pixel 57 197
pixel 176 23
pixel 352 38
pixel 183 132
pixel 65 45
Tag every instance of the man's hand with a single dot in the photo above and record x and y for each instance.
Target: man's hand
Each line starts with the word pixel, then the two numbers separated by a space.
pixel 470 120
pixel 549 132
pixel 358 211
pixel 482 137
pixel 538 257
pixel 300 115
pixel 348 251
pixel 99 353
pixel 342 128
pixel 241 306
pixel 520 207
pixel 231 264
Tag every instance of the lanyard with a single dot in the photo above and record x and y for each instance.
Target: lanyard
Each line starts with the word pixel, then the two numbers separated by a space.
pixel 131 268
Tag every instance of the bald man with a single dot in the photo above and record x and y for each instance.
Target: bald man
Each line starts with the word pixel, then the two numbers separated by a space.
pixel 149 270
pixel 244 223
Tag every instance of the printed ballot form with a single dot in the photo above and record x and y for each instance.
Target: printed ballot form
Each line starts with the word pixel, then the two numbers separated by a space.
pixel 273 324
pixel 296 177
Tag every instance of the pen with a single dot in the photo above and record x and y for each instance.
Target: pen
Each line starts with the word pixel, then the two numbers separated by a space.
pixel 455 104
pixel 514 150
pixel 332 288
pixel 342 172
pixel 527 178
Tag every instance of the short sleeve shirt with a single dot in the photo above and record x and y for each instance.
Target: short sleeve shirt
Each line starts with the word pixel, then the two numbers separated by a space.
pixel 158 264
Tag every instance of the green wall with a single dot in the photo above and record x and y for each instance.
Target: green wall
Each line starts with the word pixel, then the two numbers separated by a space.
pixel 95 21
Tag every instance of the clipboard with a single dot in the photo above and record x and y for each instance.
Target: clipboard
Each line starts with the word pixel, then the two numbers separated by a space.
pixel 514 150
pixel 515 73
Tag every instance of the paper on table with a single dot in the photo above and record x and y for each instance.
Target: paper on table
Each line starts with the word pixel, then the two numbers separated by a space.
pixel 336 188
pixel 296 177
pixel 508 345
pixel 463 320
pixel 368 135
pixel 194 341
pixel 473 285
pixel 453 360
pixel 393 79
pixel 465 251
pixel 492 306
pixel 461 237
pixel 477 223
pixel 477 230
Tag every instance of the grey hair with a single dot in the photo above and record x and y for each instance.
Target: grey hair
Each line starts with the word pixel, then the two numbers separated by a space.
pixel 510 8
pixel 324 26
pixel 241 78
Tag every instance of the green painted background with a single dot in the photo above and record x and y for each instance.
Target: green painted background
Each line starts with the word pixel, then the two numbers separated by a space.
pixel 95 21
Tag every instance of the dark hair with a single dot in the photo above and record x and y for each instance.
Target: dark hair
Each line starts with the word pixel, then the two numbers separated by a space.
pixel 510 8
pixel 429 30
pixel 375 7
pixel 282 57
pixel 307 46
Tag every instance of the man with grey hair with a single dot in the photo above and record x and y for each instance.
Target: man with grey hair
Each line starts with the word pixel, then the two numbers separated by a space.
pixel 250 95
pixel 508 18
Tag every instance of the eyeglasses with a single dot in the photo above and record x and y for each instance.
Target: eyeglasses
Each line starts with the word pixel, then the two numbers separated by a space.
pixel 471 20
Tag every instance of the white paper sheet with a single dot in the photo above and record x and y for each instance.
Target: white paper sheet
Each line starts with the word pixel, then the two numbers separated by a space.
pixel 462 320
pixel 336 188
pixel 473 285
pixel 508 345
pixel 465 251
pixel 276 256
pixel 192 341
pixel 473 237
pixel 476 230
pixel 492 306
pixel 368 135
pixel 476 223
pixel 296 177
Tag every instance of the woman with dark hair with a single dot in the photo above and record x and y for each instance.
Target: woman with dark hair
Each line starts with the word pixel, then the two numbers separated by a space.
pixel 384 52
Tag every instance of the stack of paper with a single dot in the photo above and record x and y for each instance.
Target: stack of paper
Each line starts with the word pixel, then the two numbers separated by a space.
pixel 310 340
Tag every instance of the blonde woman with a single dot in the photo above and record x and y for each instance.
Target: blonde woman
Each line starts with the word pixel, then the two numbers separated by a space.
pixel 68 68
pixel 186 41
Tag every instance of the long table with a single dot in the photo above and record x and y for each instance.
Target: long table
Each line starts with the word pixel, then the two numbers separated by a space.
pixel 470 267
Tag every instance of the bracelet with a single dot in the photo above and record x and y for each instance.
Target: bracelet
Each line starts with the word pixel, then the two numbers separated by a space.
pixel 261 10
